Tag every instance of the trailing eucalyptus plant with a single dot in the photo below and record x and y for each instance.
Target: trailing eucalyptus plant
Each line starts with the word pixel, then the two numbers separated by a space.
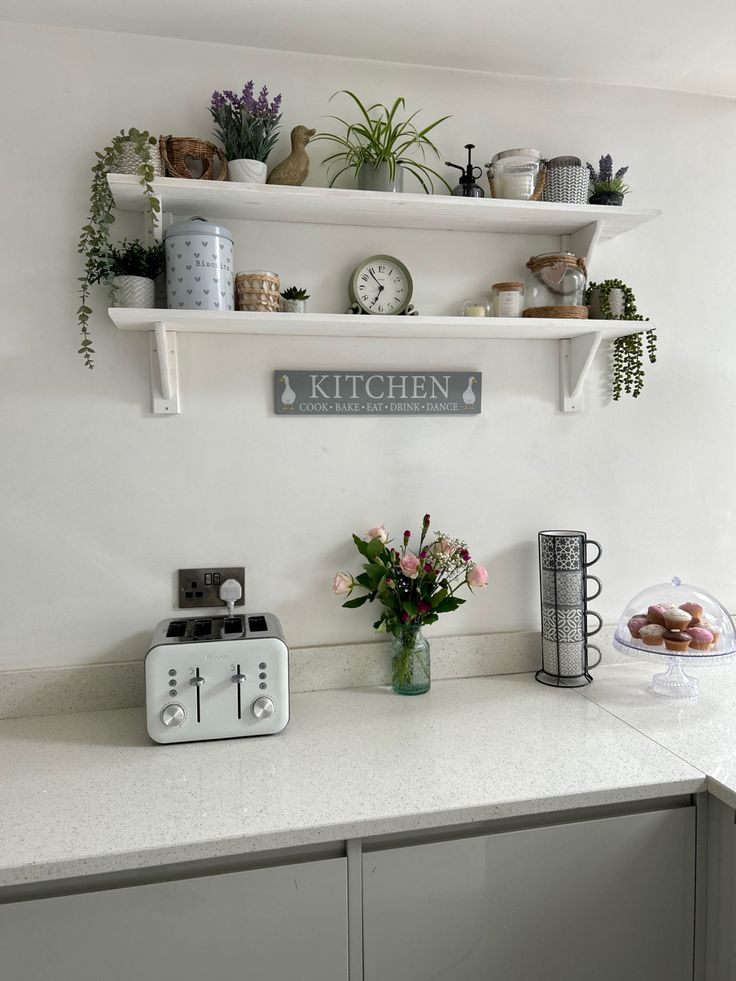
pixel 628 352
pixel 94 241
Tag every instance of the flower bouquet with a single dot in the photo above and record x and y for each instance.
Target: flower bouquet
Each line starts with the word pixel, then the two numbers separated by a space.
pixel 414 588
pixel 247 127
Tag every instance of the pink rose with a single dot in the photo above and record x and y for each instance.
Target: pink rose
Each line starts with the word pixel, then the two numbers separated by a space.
pixel 443 546
pixel 409 565
pixel 342 584
pixel 378 532
pixel 477 576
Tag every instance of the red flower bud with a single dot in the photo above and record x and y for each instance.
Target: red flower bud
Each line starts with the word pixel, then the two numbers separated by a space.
pixel 426 521
pixel 404 617
pixel 428 567
pixel 423 606
pixel 407 536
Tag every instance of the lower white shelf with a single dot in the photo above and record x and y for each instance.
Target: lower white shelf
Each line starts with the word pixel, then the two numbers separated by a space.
pixel 349 325
pixel 579 339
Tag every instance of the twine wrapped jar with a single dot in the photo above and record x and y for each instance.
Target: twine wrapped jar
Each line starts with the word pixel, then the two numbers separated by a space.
pixel 258 292
pixel 555 286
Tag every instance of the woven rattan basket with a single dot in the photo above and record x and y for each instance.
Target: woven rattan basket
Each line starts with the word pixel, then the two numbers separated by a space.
pixel 557 313
pixel 177 151
pixel 258 291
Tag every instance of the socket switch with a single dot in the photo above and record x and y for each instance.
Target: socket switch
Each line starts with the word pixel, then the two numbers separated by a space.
pixel 200 588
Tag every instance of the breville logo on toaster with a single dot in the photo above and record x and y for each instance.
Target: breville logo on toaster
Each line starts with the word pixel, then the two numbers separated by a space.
pixel 217 657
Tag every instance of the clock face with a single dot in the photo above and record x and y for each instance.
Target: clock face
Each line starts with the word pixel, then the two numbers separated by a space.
pixel 381 285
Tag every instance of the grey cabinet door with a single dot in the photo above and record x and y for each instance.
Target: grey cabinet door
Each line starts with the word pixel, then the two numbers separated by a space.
pixel 259 925
pixel 602 900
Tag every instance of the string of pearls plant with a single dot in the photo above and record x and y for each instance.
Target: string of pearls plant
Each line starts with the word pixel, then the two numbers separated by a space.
pixel 628 352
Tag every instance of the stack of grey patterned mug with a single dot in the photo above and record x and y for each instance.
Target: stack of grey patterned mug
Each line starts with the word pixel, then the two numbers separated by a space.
pixel 563 580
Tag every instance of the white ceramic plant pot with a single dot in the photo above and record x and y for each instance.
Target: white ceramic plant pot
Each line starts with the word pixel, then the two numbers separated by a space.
pixel 247 171
pixel 135 291
pixel 293 306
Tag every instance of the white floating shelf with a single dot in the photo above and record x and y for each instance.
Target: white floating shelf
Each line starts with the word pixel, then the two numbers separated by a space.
pixel 227 201
pixel 579 339
pixel 351 326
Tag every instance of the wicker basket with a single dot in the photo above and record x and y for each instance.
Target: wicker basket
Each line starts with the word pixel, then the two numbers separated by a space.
pixel 258 291
pixel 557 313
pixel 176 150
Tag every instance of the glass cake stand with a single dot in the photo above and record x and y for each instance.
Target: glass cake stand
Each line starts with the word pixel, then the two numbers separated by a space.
pixel 676 681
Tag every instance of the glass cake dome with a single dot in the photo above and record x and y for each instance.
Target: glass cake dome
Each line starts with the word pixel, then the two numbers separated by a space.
pixel 681 623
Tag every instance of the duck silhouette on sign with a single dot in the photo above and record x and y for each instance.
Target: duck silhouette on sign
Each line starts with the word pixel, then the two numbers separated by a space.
pixel 288 396
pixel 469 394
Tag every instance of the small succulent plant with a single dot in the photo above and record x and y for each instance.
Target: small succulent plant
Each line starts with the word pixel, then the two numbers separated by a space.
pixel 295 293
pixel 604 180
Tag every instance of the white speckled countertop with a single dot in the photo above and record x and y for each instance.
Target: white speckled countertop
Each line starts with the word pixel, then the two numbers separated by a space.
pixel 701 730
pixel 88 793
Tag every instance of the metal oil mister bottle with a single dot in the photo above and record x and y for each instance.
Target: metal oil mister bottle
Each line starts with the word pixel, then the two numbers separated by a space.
pixel 467 188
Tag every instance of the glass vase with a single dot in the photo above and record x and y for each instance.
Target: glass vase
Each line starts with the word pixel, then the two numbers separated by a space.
pixel 410 667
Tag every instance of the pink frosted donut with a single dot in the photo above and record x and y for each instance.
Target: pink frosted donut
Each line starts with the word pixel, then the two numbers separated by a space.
pixel 700 638
pixel 635 624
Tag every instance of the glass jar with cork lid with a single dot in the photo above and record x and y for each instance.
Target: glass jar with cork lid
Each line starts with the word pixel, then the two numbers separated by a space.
pixel 507 299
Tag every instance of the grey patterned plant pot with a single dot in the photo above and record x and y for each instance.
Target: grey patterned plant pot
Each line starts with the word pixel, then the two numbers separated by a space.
pixel 134 291
pixel 293 306
pixel 616 304
pixel 129 160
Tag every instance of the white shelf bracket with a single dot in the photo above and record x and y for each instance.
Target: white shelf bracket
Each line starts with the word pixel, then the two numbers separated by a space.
pixel 583 242
pixel 164 371
pixel 576 358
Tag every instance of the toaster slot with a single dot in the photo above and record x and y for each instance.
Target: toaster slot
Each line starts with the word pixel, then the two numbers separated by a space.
pixel 201 628
pixel 177 628
pixel 232 627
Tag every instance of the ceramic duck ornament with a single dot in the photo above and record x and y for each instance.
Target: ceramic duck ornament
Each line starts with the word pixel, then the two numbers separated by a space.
pixel 288 396
pixel 469 394
pixel 293 171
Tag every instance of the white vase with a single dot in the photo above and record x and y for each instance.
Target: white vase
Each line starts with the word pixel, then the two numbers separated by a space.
pixel 247 171
pixel 293 306
pixel 134 291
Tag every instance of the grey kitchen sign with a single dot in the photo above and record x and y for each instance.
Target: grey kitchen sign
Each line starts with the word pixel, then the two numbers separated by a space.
pixel 380 393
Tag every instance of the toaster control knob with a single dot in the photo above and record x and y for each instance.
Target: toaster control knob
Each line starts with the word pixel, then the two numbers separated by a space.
pixel 173 714
pixel 263 707
pixel 237 678
pixel 197 680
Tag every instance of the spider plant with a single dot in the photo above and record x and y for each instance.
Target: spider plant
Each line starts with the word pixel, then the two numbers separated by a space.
pixel 379 137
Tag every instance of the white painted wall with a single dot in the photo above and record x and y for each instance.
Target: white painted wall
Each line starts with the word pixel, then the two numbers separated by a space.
pixel 101 502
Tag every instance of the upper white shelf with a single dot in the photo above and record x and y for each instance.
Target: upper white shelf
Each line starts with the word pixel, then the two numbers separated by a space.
pixel 225 200
pixel 351 326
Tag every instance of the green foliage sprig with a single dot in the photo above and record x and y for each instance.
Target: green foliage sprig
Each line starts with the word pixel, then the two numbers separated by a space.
pixel 378 138
pixel 295 293
pixel 130 259
pixel 94 241
pixel 628 351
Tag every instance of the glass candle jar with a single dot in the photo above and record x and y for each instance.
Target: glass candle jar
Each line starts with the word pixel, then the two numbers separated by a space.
pixel 513 174
pixel 507 299
pixel 476 308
